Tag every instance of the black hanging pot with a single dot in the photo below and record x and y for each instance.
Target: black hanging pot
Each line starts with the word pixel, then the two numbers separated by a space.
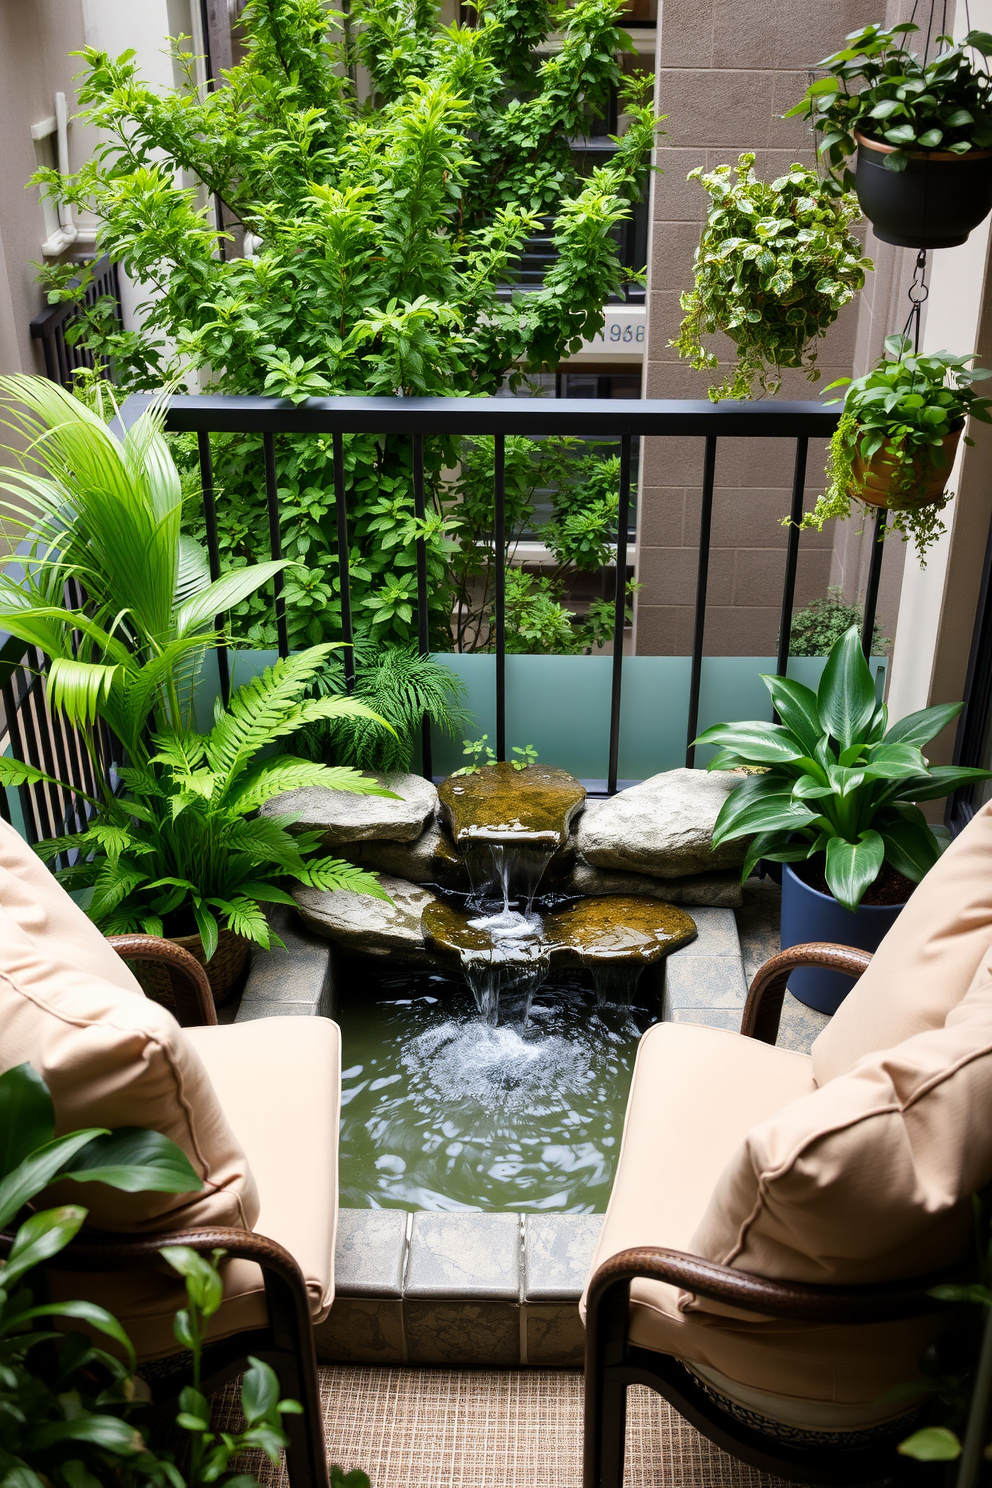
pixel 934 203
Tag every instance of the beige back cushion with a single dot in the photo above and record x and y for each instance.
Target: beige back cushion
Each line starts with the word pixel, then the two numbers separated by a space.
pixel 870 1177
pixel 927 961
pixel 35 901
pixel 111 1057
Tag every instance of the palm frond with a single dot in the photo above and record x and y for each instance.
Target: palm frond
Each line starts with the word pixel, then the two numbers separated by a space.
pixel 77 688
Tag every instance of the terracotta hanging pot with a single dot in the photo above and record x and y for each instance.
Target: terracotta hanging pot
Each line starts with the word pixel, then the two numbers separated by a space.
pixel 881 477
pixel 227 967
pixel 934 203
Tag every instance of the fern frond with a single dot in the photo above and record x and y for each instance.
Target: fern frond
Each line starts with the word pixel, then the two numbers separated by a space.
pixel 259 711
pixel 245 918
pixel 273 777
pixel 333 873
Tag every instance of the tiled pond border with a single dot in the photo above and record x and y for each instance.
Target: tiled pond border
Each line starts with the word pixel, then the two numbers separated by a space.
pixel 496 1290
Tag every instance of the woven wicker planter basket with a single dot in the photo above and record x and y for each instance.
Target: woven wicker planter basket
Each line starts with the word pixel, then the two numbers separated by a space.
pixel 874 478
pixel 227 968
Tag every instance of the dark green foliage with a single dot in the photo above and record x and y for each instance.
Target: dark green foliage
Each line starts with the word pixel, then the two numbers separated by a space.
pixel 397 684
pixel 836 779
pixel 877 86
pixel 906 405
pixel 774 266
pixel 383 231
pixel 818 625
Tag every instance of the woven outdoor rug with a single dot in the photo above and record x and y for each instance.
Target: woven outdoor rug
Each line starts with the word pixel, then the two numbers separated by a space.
pixel 476 1428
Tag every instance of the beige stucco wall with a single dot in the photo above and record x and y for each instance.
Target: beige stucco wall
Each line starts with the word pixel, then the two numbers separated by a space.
pixel 36 37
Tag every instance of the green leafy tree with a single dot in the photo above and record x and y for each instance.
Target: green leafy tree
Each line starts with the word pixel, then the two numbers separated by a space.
pixel 383 229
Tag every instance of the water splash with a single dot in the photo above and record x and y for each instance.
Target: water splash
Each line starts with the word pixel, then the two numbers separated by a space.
pixel 516 960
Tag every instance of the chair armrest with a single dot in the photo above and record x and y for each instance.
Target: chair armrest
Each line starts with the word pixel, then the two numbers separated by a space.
pixel 763 1008
pixel 190 983
pixel 286 1295
pixel 779 1299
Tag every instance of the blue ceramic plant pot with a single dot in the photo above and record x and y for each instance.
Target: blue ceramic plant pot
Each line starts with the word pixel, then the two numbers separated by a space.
pixel 809 915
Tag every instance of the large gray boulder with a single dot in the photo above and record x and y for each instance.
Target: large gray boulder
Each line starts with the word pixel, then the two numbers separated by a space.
pixel 357 922
pixel 662 827
pixel 429 860
pixel 341 816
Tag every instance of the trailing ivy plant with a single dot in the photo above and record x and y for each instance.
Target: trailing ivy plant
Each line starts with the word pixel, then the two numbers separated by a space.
pixel 773 268
pixel 877 86
pixel 385 228
pixel 903 408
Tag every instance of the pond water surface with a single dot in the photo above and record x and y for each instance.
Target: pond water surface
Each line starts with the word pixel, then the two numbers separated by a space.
pixel 444 1111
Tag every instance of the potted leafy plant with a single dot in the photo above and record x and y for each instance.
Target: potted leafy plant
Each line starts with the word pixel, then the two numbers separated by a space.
pixel 896 440
pixel 175 852
pixel 922 131
pixel 70 1409
pixel 774 265
pixel 181 851
pixel 838 799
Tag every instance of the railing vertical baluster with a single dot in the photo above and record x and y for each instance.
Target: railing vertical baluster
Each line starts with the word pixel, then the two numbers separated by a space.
pixel 702 580
pixel 874 576
pixel 499 555
pixel 791 557
pixel 213 549
pixel 275 540
pixel 619 613
pixel 10 708
pixel 32 757
pixel 45 722
pixel 344 567
pixel 423 614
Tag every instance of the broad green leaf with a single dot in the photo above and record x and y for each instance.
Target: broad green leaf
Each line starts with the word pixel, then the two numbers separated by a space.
pixel 768 814
pixel 942 780
pixel 889 761
pixel 230 589
pixel 778 847
pixel 752 788
pixel 931 1444
pixel 796 706
pixel 852 867
pixel 758 743
pixel 259 1392
pixel 27 1117
pixel 136 1161
pixel 912 850
pixel 920 727
pixel 203 1283
pixel 86 1312
pixel 846 696
pixel 108 1432
pixel 206 923
pixel 39 1237
pixel 36 1171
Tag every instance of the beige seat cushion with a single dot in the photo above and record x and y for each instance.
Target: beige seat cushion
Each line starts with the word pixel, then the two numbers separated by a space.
pixel 111 1057
pixel 279 1081
pixel 925 964
pixel 696 1092
pixel 34 899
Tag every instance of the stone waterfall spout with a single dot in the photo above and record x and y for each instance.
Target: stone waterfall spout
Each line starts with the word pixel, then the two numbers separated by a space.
pixel 509 825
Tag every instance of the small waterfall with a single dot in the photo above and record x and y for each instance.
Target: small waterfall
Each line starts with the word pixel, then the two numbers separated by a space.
pixel 507 870
pixel 516 961
pixel 615 982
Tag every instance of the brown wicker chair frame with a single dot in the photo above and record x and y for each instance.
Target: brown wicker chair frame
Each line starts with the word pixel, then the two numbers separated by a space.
pixel 613 1363
pixel 288 1342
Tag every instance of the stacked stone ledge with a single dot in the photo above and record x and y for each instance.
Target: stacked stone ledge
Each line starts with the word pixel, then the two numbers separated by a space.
pixel 653 840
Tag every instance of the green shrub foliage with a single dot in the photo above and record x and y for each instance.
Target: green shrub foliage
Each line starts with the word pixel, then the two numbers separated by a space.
pixel 819 624
pixel 380 233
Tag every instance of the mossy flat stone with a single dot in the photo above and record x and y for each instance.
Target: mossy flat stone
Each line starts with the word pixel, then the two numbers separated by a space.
pixel 616 928
pixel 524 808
pixel 606 931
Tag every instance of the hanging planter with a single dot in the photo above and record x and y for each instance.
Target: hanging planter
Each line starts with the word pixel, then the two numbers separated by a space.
pixel 934 202
pixel 921 131
pixel 896 441
pixel 775 263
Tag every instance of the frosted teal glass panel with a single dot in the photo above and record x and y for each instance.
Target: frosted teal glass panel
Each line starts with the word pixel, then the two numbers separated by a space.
pixel 561 705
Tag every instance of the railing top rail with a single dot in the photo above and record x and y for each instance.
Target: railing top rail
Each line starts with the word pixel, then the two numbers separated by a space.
pixel 226 413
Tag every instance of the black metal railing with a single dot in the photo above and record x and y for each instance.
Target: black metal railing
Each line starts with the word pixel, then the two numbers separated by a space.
pixel 62 359
pixel 417 418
